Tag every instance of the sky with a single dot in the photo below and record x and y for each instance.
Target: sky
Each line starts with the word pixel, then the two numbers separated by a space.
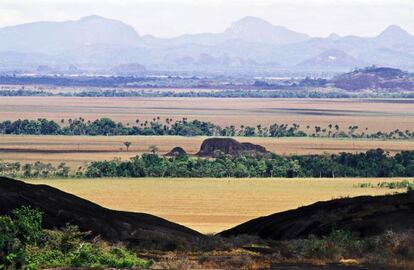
pixel 170 18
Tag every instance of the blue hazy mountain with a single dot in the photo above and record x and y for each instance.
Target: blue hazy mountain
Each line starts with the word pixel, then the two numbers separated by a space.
pixel 96 43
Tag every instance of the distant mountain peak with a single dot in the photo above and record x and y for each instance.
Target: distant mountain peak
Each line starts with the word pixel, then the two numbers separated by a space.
pixel 334 36
pixel 92 18
pixel 394 31
pixel 332 58
pixel 252 24
pixel 59 37
pixel 250 21
pixel 253 29
pixel 393 36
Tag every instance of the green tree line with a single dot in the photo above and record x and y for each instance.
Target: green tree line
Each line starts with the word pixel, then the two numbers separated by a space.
pixel 185 127
pixel 373 163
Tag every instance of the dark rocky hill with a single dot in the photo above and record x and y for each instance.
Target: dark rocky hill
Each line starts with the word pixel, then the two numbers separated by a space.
pixel 211 147
pixel 375 78
pixel 60 208
pixel 176 151
pixel 365 215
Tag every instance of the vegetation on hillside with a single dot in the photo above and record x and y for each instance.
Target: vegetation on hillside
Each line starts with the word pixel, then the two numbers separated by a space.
pixel 24 244
pixel 185 127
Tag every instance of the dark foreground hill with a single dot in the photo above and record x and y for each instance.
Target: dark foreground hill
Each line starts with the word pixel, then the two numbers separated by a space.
pixel 365 216
pixel 60 208
pixel 210 147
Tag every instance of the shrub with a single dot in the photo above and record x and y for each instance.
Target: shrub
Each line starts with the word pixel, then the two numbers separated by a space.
pixel 16 233
pixel 23 244
pixel 29 225
pixel 338 245
pixel 11 248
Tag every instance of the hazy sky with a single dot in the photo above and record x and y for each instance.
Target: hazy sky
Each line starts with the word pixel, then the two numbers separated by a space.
pixel 168 18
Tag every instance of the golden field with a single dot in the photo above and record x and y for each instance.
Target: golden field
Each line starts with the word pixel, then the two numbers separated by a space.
pixel 211 205
pixel 79 150
pixel 373 114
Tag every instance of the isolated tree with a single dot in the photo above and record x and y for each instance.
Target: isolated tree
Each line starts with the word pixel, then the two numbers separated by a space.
pixel 259 130
pixel 27 170
pixel 153 149
pixel 127 145
pixel 62 170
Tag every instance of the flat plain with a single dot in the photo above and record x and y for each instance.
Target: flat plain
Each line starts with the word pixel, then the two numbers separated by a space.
pixel 371 114
pixel 207 205
pixel 211 205
pixel 79 150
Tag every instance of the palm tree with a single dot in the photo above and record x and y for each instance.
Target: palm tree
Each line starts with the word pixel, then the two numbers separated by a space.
pixel 127 145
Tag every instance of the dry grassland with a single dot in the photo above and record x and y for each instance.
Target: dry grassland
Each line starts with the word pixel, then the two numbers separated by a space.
pixel 211 205
pixel 78 150
pixel 374 114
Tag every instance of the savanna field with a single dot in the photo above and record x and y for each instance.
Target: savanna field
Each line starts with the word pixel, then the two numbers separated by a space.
pixel 213 205
pixel 78 151
pixel 207 205
pixel 369 115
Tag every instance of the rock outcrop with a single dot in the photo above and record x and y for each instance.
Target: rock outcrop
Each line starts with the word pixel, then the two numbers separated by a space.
pixel 365 216
pixel 176 151
pixel 60 208
pixel 213 146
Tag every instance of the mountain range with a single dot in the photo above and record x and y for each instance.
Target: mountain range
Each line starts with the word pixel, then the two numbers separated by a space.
pixel 98 44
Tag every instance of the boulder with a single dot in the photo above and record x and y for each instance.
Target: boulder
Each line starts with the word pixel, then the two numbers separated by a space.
pixel 210 147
